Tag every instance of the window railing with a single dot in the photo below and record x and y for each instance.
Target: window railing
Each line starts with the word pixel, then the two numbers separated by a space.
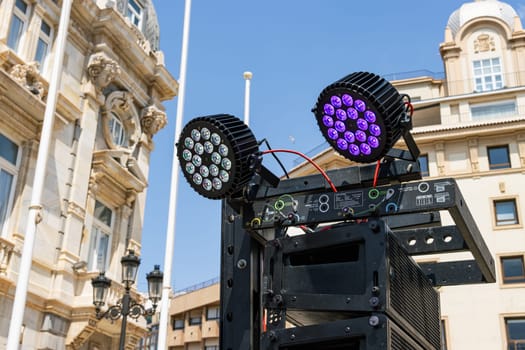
pixel 197 286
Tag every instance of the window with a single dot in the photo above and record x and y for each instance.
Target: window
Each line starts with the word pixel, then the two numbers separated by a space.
pixel 150 341
pixel 8 172
pixel 55 325
pixel 101 233
pixel 44 42
pixel 18 24
pixel 506 213
pixel 487 74
pixel 213 313
pixel 134 13
pixel 177 323
pixel 498 157
pixel 512 269
pixel 493 110
pixel 118 133
pixel 195 320
pixel 423 164
pixel 515 328
pixel 211 347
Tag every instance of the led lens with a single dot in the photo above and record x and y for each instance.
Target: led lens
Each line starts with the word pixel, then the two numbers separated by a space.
pixel 342 144
pixel 195 134
pixel 347 100
pixel 332 133
pixel 186 155
pixel 340 126
pixel 226 164
pixel 214 170
pixel 205 133
pixel 215 139
pixel 340 114
pixel 328 121
pixel 197 178
pixel 208 147
pixel 329 109
pixel 336 101
pixel 199 148
pixel 188 143
pixel 206 184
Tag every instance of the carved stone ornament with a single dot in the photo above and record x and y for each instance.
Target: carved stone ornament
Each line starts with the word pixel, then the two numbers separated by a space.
pixel 484 43
pixel 120 104
pixel 28 76
pixel 152 120
pixel 102 70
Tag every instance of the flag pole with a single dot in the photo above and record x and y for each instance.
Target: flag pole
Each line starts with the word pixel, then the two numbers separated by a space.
pixel 247 77
pixel 170 232
pixel 34 215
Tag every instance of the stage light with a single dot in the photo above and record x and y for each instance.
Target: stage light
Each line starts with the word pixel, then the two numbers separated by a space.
pixel 362 116
pixel 216 154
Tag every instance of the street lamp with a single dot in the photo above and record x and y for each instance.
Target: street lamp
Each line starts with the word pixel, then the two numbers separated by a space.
pixel 127 306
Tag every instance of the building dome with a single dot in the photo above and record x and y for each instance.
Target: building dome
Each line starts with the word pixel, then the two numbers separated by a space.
pixel 481 8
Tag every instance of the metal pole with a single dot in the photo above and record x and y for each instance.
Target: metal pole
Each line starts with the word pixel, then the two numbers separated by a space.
pixel 247 76
pixel 125 312
pixel 33 217
pixel 170 234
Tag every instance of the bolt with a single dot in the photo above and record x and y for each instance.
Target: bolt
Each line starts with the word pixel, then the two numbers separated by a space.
pixel 374 301
pixel 272 336
pixel 294 298
pixel 292 337
pixel 348 299
pixel 231 218
pixel 373 321
pixel 278 299
pixel 241 264
pixel 375 290
pixel 347 329
pixel 374 226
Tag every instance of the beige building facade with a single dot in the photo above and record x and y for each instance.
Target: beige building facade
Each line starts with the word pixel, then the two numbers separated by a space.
pixel 109 108
pixel 194 318
pixel 470 125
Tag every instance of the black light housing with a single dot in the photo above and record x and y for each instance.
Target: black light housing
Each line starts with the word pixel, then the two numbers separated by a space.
pixel 362 116
pixel 216 154
pixel 155 279
pixel 101 286
pixel 130 265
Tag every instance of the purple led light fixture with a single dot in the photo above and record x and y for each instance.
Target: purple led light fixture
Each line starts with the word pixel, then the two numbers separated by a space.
pixel 360 116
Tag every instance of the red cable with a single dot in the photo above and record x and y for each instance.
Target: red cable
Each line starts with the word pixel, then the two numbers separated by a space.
pixel 409 105
pixel 309 160
pixel 376 173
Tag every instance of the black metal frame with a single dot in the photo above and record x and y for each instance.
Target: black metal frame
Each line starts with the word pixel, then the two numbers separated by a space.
pixel 250 222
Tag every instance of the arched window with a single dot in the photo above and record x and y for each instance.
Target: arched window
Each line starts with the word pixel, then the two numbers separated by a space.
pixel 117 130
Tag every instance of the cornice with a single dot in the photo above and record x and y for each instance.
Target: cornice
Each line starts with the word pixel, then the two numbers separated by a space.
pixel 113 181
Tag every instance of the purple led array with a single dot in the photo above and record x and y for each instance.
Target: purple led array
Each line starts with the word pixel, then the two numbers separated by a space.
pixel 350 125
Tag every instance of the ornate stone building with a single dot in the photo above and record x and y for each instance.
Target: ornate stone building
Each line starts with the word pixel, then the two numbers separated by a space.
pixel 470 125
pixel 109 108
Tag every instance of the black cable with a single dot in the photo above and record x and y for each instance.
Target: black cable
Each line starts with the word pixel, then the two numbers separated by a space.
pixel 276 158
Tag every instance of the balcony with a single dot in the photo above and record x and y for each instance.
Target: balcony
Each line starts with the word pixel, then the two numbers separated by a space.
pixel 210 329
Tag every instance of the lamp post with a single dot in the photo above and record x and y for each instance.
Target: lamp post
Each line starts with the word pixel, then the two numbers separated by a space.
pixel 127 306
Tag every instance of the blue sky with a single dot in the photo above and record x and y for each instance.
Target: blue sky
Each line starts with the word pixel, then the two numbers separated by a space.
pixel 294 49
